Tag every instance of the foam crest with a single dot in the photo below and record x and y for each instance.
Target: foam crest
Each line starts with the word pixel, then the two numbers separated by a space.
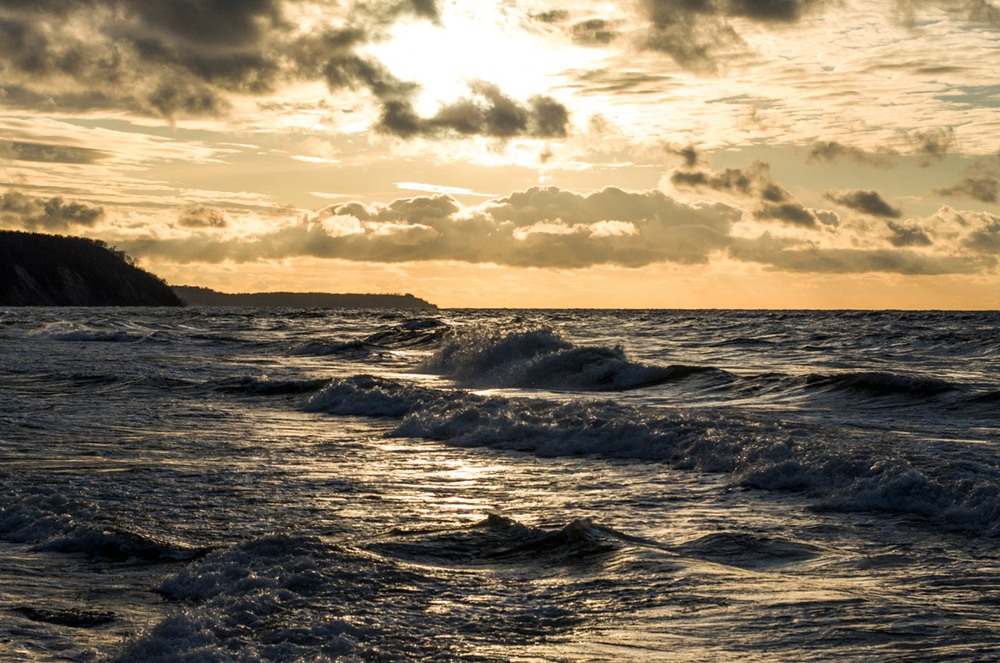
pixel 371 396
pixel 549 428
pixel 529 357
pixel 842 474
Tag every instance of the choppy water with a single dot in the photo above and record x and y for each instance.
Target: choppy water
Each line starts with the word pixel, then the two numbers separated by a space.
pixel 234 485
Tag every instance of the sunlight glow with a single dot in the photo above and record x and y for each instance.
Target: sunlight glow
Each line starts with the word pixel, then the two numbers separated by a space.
pixel 480 43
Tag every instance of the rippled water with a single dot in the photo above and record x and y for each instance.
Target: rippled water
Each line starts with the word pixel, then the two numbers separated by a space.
pixel 278 485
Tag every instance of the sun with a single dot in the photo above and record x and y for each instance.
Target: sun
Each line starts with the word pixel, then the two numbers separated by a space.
pixel 481 43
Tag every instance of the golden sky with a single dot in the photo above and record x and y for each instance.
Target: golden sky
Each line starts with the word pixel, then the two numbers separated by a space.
pixel 519 153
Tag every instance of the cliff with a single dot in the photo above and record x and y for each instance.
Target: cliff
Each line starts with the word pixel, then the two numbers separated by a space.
pixel 194 296
pixel 52 270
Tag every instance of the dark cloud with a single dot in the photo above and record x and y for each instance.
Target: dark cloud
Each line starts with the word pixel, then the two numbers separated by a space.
pixel 866 202
pixel 832 150
pixel 213 22
pixel 854 261
pixel 21 211
pixel 982 11
pixel 552 16
pixel 173 96
pixel 184 57
pixel 771 10
pixel 49 153
pixel 984 189
pixel 907 234
pixel 754 181
pixel 594 32
pixel 487 112
pixel 539 227
pixel 202 216
pixel 176 58
pixel 981 182
pixel 693 41
pixel 931 144
pixel 986 237
pixel 975 11
pixel 791 213
pixel 686 152
pixel 696 32
pixel 928 144
pixel 555 228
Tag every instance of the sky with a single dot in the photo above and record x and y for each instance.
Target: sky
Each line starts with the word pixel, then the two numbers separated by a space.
pixel 519 153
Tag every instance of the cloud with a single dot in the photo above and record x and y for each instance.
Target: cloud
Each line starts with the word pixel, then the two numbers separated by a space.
pixel 907 234
pixel 21 211
pixel 975 11
pixel 931 144
pixel 188 58
pixel 981 182
pixel 686 152
pixel 793 214
pixel 986 237
pixel 594 32
pixel 487 112
pixel 855 261
pixel 772 10
pixel 866 202
pixel 553 228
pixel 539 227
pixel 202 216
pixel 984 189
pixel 49 153
pixel 696 32
pixel 552 16
pixel 832 150
pixel 754 181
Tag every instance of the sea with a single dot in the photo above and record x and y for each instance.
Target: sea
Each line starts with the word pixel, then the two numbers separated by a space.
pixel 214 485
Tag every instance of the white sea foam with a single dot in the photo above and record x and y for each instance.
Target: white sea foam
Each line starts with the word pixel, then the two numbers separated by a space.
pixel 848 476
pixel 527 356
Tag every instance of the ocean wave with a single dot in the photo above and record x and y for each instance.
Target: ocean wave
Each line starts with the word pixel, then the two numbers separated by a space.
pixel 878 384
pixel 501 539
pixel 264 386
pixel 85 333
pixel 371 396
pixel 412 333
pixel 119 544
pixel 524 356
pixel 545 427
pixel 340 349
pixel 74 617
pixel 83 336
pixel 48 520
pixel 285 597
pixel 840 472
pixel 746 550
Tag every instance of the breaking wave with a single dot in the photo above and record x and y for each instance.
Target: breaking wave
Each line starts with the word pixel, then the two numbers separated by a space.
pixel 850 475
pixel 539 358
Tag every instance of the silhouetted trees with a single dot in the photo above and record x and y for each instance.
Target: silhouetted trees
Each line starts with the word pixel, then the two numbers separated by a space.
pixel 54 270
pixel 195 296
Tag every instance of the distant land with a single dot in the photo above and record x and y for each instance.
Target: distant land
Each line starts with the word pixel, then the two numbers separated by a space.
pixel 196 296
pixel 53 270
